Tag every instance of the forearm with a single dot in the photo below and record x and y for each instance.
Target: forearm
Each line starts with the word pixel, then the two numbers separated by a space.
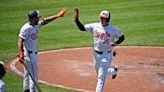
pixel 20 46
pixel 120 40
pixel 80 25
pixel 49 19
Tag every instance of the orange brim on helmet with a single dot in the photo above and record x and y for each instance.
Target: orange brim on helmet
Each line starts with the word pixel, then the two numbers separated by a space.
pixel 104 17
pixel 104 14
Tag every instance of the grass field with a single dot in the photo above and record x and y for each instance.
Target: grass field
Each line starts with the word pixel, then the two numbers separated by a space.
pixel 141 21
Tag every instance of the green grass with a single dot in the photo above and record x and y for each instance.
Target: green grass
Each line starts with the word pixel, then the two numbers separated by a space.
pixel 14 84
pixel 141 21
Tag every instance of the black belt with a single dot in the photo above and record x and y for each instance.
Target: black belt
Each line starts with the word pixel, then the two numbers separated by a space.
pixel 100 52
pixel 32 52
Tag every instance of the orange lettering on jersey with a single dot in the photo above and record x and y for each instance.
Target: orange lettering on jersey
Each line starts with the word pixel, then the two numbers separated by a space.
pixel 97 34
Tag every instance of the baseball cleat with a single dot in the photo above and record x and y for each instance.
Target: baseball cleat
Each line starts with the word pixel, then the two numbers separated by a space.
pixel 116 69
pixel 27 90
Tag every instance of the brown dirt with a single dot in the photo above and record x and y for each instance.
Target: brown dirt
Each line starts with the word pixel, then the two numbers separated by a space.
pixel 141 69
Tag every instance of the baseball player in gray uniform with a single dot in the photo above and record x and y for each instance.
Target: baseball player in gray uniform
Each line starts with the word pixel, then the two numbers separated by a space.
pixel 28 46
pixel 103 36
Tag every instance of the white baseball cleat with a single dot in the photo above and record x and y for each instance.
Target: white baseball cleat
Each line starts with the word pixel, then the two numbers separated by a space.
pixel 116 69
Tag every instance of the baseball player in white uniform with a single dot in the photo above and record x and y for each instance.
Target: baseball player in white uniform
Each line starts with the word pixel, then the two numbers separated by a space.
pixel 103 36
pixel 28 46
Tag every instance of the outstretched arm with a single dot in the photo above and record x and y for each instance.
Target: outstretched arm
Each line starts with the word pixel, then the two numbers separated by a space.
pixel 77 21
pixel 51 18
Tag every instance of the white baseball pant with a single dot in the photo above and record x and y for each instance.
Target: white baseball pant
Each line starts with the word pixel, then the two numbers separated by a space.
pixel 102 62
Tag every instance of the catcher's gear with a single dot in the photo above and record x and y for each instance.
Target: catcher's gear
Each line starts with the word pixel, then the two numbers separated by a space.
pixel 76 13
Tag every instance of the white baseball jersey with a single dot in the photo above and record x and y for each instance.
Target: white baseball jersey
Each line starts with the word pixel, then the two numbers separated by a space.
pixel 103 36
pixel 30 34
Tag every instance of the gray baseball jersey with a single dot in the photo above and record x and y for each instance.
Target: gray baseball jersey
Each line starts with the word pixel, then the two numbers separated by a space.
pixel 30 34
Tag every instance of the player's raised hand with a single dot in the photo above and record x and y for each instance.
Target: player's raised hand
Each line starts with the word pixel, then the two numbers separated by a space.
pixel 76 13
pixel 62 12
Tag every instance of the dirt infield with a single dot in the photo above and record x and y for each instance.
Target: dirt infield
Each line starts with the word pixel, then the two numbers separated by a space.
pixel 141 69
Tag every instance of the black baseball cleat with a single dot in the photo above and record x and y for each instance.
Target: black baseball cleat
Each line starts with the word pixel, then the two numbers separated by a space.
pixel 116 69
pixel 27 90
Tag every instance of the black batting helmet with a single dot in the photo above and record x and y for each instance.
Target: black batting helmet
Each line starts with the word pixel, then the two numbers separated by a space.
pixel 34 14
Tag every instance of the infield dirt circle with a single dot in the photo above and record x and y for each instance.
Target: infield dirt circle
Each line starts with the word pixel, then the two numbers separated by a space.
pixel 141 69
